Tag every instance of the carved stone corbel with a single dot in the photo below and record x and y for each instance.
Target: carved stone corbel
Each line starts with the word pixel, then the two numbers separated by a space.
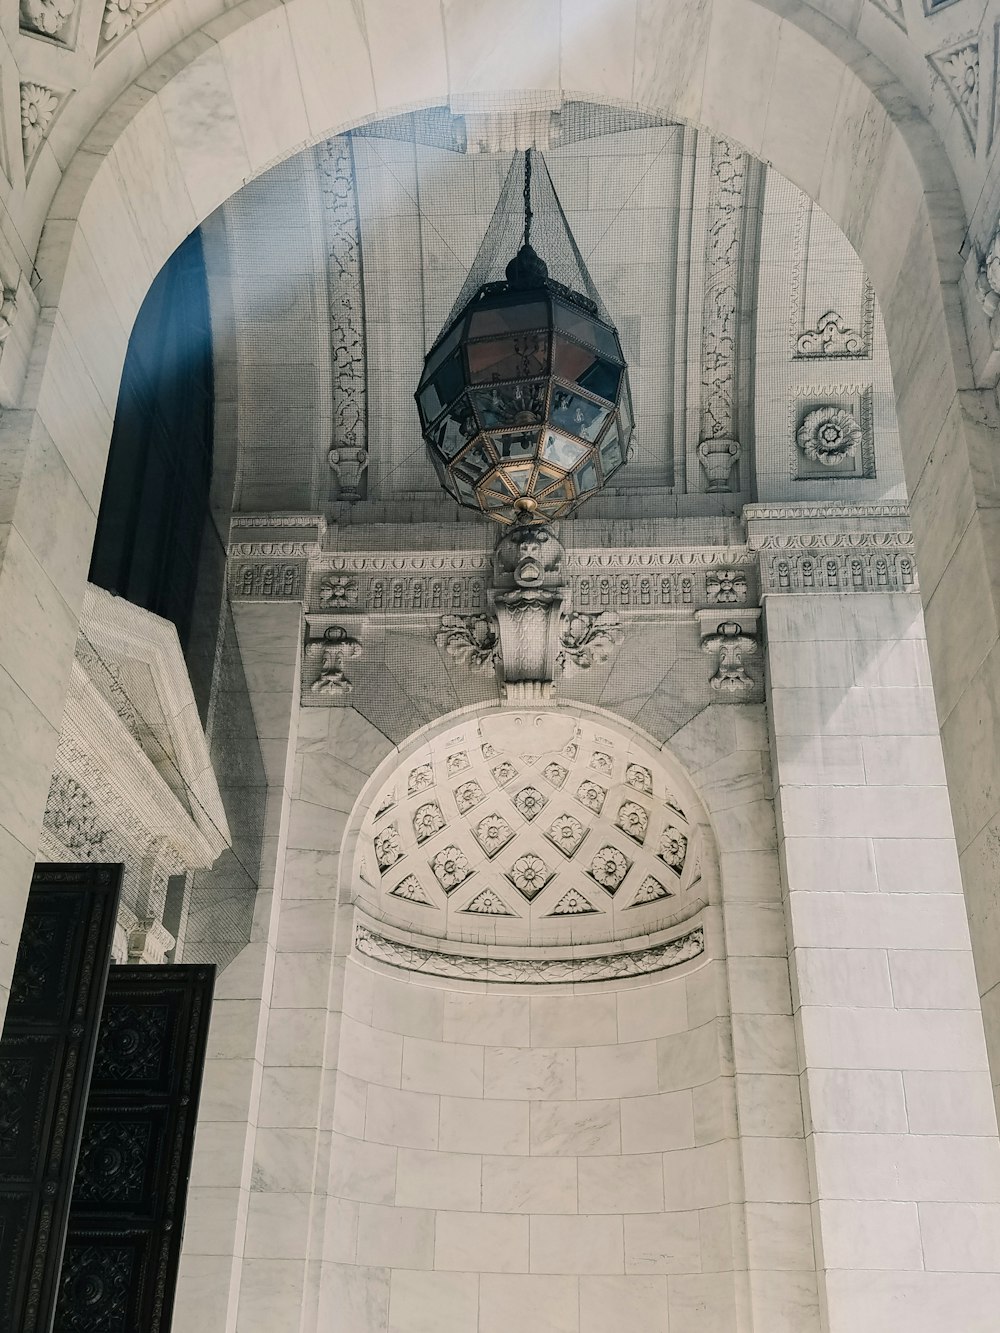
pixel 336 647
pixel 731 639
pixel 527 600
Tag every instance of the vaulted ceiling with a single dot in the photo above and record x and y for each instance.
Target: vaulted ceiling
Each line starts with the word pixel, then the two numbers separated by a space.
pixel 741 308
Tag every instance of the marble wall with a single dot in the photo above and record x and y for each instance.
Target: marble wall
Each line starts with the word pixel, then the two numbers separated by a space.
pixel 901 1129
pixel 556 1161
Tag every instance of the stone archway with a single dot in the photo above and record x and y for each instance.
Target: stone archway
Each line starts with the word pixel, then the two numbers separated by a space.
pixel 201 129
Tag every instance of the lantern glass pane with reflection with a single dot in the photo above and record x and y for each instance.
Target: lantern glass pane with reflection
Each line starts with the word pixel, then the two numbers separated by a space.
pixel 524 400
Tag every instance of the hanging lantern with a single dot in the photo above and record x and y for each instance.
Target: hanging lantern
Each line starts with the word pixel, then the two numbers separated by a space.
pixel 524 399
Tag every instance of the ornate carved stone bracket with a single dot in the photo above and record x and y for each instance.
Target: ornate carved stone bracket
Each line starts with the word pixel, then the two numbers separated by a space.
pixel 527 599
pixel 329 653
pixel 732 640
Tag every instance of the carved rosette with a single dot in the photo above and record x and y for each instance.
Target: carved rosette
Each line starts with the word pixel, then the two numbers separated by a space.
pixel 38 106
pixel 829 435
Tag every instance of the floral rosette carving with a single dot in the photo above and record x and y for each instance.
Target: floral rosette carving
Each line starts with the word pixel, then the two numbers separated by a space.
pixel 38 106
pixel 121 15
pixel 829 435
pixel 337 590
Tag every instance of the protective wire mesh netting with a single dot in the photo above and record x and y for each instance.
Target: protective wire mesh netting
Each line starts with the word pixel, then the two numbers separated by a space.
pixel 528 212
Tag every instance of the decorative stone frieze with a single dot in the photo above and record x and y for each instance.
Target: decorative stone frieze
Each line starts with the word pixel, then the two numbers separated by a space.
pixel 731 641
pixel 492 967
pixel 268 580
pixel 836 548
pixel 726 586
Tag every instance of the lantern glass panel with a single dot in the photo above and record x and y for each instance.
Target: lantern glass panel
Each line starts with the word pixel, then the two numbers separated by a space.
pixel 519 477
pixel 472 465
pixel 611 454
pixel 520 356
pixel 455 429
pixel 511 404
pixel 515 444
pixel 562 451
pixel 586 477
pixel 509 319
pixel 443 350
pixel 443 389
pixel 553 489
pixel 578 415
pixel 578 324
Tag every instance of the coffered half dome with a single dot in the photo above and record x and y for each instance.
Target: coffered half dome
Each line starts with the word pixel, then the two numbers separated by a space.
pixel 533 828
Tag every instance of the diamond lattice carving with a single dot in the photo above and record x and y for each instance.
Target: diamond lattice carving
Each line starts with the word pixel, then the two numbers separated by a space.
pixel 597 830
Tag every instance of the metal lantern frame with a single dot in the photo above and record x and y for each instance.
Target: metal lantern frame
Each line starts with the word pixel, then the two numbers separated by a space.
pixel 524 400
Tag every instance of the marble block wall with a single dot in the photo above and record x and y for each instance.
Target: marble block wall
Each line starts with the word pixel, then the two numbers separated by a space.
pixel 901 1129
pixel 545 1161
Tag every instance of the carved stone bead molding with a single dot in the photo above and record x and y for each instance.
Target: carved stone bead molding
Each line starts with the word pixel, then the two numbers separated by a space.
pixel 38 107
pixel 531 971
pixel 731 640
pixel 958 68
pixel 831 338
pixel 47 18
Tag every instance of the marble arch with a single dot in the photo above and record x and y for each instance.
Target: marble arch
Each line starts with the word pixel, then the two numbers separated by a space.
pixel 185 133
pixel 191 129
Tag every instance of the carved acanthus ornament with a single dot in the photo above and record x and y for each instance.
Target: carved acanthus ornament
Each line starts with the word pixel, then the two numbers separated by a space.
pixel 587 640
pixel 831 337
pixel 470 640
pixel 46 17
pixel 988 280
pixel 348 455
pixel 829 435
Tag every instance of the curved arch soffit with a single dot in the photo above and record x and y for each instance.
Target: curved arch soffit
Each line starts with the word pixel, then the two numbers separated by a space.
pixel 143 181
pixel 616 764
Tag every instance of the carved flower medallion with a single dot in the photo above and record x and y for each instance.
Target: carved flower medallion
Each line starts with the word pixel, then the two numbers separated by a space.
pixel 633 819
pixel 450 867
pixel 609 867
pixel 387 847
pixel 492 833
pixel 427 821
pixel 529 874
pixel 566 832
pixel 829 435
pixel 673 848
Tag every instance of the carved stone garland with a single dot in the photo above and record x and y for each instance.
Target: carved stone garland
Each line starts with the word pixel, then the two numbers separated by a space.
pixel 719 449
pixel 348 454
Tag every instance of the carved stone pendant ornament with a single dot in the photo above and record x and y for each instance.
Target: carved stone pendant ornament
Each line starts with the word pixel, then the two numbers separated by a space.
pixel 732 640
pixel 527 599
pixel 335 648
